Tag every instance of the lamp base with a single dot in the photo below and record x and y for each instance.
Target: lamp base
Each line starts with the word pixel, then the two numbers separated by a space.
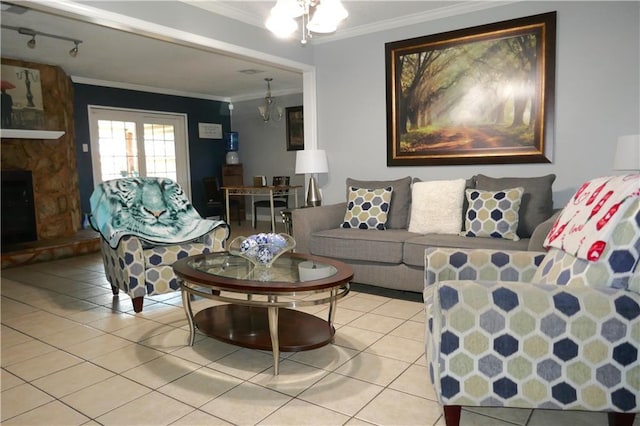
pixel 313 194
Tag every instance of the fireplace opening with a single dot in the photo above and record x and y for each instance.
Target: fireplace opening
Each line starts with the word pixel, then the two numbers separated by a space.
pixel 18 209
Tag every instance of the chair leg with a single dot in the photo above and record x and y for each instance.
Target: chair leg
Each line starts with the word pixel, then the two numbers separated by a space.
pixel 115 290
pixel 255 217
pixel 621 419
pixel 452 415
pixel 137 304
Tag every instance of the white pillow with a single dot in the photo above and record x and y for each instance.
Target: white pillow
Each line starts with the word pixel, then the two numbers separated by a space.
pixel 436 207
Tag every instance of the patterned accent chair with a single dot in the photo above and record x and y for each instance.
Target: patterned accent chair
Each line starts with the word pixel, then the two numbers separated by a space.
pixel 140 271
pixel 147 224
pixel 537 330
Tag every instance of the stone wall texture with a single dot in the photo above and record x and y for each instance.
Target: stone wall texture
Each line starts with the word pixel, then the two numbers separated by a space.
pixel 52 162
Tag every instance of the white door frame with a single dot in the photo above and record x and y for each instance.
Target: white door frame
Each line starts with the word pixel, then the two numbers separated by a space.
pixel 179 120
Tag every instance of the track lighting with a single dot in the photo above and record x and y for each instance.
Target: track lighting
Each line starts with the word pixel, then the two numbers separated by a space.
pixel 33 33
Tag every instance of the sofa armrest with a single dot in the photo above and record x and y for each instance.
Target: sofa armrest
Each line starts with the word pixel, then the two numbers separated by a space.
pixel 530 333
pixel 479 264
pixel 306 221
pixel 540 233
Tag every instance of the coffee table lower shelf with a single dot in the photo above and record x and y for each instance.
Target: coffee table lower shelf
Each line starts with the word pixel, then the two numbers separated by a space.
pixel 248 326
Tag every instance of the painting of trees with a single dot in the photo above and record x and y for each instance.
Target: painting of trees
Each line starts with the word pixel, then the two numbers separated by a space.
pixel 474 95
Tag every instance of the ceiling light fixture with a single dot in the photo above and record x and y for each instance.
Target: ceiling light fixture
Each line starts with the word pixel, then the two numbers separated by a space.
pixel 33 33
pixel 269 104
pixel 327 14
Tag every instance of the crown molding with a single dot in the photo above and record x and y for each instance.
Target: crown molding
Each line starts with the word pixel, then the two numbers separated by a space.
pixel 142 88
pixel 261 95
pixel 415 18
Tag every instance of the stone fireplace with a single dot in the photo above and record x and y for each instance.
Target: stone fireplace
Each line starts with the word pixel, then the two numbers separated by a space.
pixel 52 163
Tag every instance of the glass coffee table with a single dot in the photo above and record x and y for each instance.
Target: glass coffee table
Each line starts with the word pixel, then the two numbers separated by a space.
pixel 259 313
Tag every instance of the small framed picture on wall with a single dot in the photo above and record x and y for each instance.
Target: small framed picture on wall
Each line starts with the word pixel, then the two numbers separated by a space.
pixel 295 128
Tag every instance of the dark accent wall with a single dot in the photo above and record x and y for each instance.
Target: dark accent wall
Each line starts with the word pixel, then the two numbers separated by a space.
pixel 206 156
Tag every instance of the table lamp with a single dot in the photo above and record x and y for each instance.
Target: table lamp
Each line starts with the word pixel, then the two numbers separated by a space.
pixel 627 153
pixel 312 161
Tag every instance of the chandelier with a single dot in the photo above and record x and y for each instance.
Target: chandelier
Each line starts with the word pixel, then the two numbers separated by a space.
pixel 269 104
pixel 326 16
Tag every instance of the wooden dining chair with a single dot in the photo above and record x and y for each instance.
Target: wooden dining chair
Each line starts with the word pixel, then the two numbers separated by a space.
pixel 215 200
pixel 279 202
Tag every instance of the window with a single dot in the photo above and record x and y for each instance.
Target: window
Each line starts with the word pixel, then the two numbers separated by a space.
pixel 138 143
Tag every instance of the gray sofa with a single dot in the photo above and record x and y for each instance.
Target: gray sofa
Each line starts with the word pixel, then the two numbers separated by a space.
pixel 394 258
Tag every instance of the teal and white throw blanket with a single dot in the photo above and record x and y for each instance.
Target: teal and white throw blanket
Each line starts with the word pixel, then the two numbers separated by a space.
pixel 155 210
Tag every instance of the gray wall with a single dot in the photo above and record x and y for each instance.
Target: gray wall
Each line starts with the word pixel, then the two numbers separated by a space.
pixel 263 148
pixel 597 96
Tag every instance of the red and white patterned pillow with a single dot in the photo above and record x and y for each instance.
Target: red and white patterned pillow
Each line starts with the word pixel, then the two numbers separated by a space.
pixel 584 227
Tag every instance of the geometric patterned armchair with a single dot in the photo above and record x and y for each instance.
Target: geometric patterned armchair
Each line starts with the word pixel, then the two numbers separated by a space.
pixel 542 330
pixel 147 224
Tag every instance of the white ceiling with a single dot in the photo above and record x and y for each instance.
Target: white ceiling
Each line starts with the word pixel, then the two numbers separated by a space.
pixel 112 55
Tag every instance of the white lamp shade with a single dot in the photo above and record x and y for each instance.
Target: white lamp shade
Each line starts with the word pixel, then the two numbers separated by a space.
pixel 281 26
pixel 322 21
pixel 311 161
pixel 627 153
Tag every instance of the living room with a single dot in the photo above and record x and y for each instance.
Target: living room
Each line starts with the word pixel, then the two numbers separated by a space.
pixel 597 97
pixel 349 112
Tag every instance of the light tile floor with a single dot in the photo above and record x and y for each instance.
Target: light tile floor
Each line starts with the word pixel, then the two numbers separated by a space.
pixel 72 354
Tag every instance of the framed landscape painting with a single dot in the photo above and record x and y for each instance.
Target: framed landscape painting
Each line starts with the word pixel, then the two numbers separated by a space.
pixel 481 95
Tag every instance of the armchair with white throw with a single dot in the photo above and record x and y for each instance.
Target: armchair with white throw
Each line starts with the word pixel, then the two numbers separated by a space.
pixel 146 225
pixel 555 330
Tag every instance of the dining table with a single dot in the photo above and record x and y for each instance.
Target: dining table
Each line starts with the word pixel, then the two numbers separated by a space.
pixel 270 191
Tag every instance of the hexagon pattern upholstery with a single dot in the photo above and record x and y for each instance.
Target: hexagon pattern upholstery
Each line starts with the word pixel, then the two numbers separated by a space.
pixel 537 330
pixel 367 208
pixel 143 272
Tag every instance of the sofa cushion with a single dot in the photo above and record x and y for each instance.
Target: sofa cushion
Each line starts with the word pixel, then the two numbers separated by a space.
pixel 360 244
pixel 537 199
pixel 493 213
pixel 436 206
pixel 367 208
pixel 398 217
pixel 414 246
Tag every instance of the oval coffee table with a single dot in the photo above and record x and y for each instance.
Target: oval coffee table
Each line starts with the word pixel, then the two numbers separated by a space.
pixel 258 312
